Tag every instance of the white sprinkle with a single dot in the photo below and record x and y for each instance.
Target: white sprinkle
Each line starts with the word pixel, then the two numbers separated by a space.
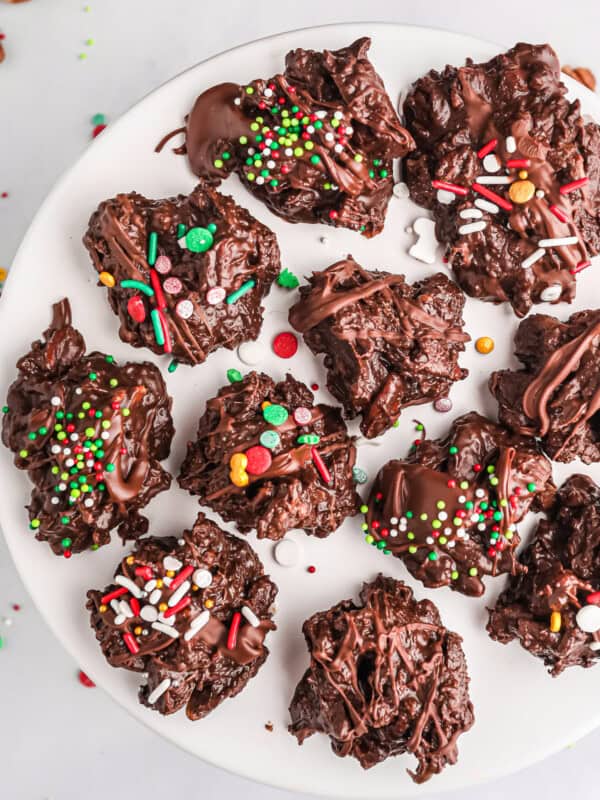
pixel 551 293
pixel 150 585
pixel 451 543
pixel 401 190
pixel 338 114
pixel 288 151
pixel 286 553
pixel 202 578
pixel 349 130
pixel 79 390
pixel 588 618
pixel 180 542
pixel 251 151
pixel 479 492
pixel 329 137
pixel 510 144
pixel 594 645
pixel 447 531
pixel 321 114
pixel 125 609
pixel 540 193
pixel 196 625
pixel 485 205
pixel 471 213
pixel 248 614
pixel 55 449
pixel 237 101
pixel 494 179
pixel 114 604
pixel 105 435
pixel 69 462
pixel 55 501
pixel 179 593
pixel 394 532
pixel 251 353
pixel 159 691
pixel 182 243
pixel 162 628
pixel 481 526
pixel 266 152
pixel 62 486
pixel 167 581
pixel 119 619
pixel 268 92
pixel 424 249
pixel 155 596
pixel 442 515
pixel 393 520
pixel 474 517
pixel 429 540
pixel 149 613
pixel 310 128
pixel 129 584
pixel 461 498
pixel 67 451
pixel 170 621
pixel 472 227
pixel 445 197
pixel 271 164
pixel 74 437
pixel 338 148
pixel 531 259
pixel 491 163
pixel 55 401
pixel 260 180
pixel 558 242
pixel 171 563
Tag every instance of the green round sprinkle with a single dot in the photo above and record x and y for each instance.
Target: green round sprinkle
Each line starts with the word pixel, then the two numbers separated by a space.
pixel 243 140
pixel 275 414
pixel 86 406
pixel 66 542
pixel 364 509
pixel 454 575
pixel 464 484
pixel 113 382
pixel 94 546
pixel 364 527
pixel 531 487
pixel 109 359
pixel 211 227
pixel 410 535
pixel 93 376
pixel 504 502
pixel 110 467
pixel 89 432
pixel 269 439
pixel 218 163
pixel 55 470
pixel 432 556
pixel 298 152
pixel 23 453
pixel 440 504
pixel 396 424
pixel 453 450
pixel 5 409
pixel 32 436
pixel 423 516
pixel 497 516
pixel 234 375
pixel 35 523
pixel 380 545
pixel 483 505
pixel 412 549
pixel 43 430
pixel 469 504
pixel 442 540
pixel 251 176
pixel 473 572
pixel 409 515
pixel 457 521
pixel 369 539
pixel 436 524
pixel 106 424
pixel 383 173
pixel 126 412
pixel 98 119
pixel 198 240
pixel 180 230
pixel 249 90
pixel 226 156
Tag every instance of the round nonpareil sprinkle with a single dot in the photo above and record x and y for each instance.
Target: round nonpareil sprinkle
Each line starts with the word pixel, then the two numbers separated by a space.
pixel 484 345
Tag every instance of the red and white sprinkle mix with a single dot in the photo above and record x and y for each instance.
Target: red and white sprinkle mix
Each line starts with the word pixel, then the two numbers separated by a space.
pixel 215 295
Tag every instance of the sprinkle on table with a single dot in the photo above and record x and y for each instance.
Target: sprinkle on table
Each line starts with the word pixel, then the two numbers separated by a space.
pixel 287 279
pixel 285 345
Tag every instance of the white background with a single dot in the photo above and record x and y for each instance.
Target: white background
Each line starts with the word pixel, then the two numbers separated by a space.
pixel 58 740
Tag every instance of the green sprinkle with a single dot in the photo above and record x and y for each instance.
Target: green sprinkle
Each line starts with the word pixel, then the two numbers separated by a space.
pixel 234 375
pixel 436 524
pixel 211 227
pixel 32 435
pixel 218 163
pixel 383 173
pixel 113 382
pixel 369 539
pixel 287 279
pixel 410 536
pixel 491 468
pixel 98 119
pixel 380 545
pixel 454 575
pixel 89 42
pixel 173 365
pixel 110 468
pixel 497 516
pixel 412 549
pixel 141 287
pixel 432 556
pixel 359 475
pixel 442 540
pixel 198 240
pixel 245 287
pixel 308 438
pixel 226 156
pixel 109 359
pixel 152 248
pixel 364 526
pixel 66 543
pixel 94 546
pixel 23 453
pixel 473 572
pixel 396 423
pixel 125 412
pixel 453 450
pixel 157 326
pixel 531 487
pixel 92 376
pixel 275 414
pixel 364 509
pixel 249 90
pixel 181 229
pixel 5 409
pixel 409 515
pixel 35 523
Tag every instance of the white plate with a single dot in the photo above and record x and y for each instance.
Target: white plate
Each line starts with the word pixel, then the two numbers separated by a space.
pixel 522 714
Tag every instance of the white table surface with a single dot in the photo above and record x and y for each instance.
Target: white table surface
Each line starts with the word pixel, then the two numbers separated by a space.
pixel 58 740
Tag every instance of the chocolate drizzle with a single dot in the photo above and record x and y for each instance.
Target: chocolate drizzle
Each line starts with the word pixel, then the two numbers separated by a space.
pixel 385 678
pixel 556 396
pixel 387 345
pixel 200 667
pixel 290 492
pixel 90 434
pixel 315 144
pixel 450 510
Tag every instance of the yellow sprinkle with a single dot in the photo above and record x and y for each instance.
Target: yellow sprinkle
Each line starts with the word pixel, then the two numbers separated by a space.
pixel 137 630
pixel 89 42
pixel 102 608
pixel 159 583
pixel 162 607
pixel 82 56
pixel 130 559
pixel 107 279
pixel 555 621
pixel 523 174
pixel 484 345
pixel 170 573
pixel 521 191
pixel 194 587
pixel 3 274
pixel 209 603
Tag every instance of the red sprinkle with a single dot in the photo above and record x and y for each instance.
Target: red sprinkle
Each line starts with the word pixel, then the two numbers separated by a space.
pixel 259 460
pixel 495 198
pixel 135 606
pixel 375 524
pixel 98 129
pixel 233 630
pixel 518 163
pixel 183 603
pixel 567 188
pixel 594 598
pixel 136 308
pixel 558 213
pixel 491 552
pixel 311 569
pixel 67 554
pixel 161 303
pixel 333 214
pixel 16 607
pixel 320 465
pixel 451 483
pixel 450 187
pixel 384 532
pixel 487 148
pixel 113 595
pixel 314 386
pixel 131 643
pixel 144 572
pixel 285 345
pixel 180 577
pixel 476 467
pixel 581 266
pixel 85 681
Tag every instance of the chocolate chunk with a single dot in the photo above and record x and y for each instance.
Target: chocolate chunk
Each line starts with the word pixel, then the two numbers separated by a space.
pixel 387 344
pixel 315 144
pixel 450 509
pixel 90 434
pixel 551 608
pixel 205 262
pixel 192 613
pixel 385 678
pixel 556 396
pixel 265 457
pixel 523 169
